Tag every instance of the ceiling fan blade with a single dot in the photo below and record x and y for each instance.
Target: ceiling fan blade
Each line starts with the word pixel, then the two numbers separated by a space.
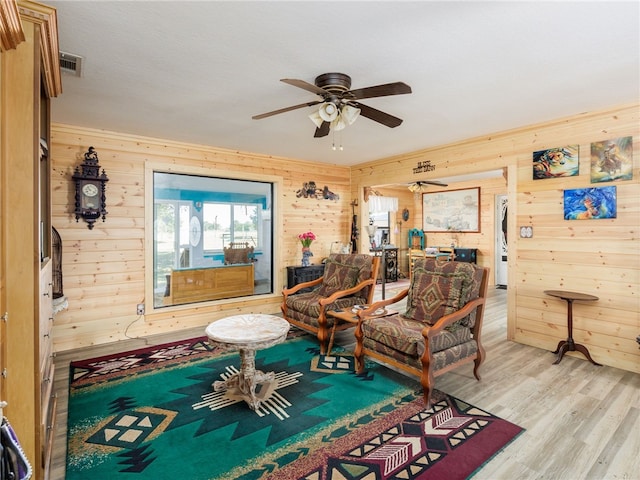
pixel 305 86
pixel 287 109
pixel 433 182
pixel 377 115
pixel 397 88
pixel 323 130
pixel 422 185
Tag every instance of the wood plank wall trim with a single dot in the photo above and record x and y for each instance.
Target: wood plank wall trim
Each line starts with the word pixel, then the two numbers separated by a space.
pixel 47 19
pixel 11 33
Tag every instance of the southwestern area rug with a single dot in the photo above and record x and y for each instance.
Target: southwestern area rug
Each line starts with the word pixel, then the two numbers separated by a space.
pixel 152 414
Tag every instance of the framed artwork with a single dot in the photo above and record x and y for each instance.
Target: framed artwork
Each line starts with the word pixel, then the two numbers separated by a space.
pixel 556 162
pixel 611 160
pixel 451 211
pixel 590 203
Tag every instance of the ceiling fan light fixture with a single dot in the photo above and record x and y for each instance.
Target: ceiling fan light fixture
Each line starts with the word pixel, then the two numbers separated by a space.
pixel 328 111
pixel 349 114
pixel 418 187
pixel 316 119
pixel 338 124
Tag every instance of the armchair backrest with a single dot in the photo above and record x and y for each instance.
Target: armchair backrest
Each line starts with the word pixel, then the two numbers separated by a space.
pixel 343 271
pixel 439 288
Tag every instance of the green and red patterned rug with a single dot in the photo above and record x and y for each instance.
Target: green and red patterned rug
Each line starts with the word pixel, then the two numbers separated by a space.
pixel 152 414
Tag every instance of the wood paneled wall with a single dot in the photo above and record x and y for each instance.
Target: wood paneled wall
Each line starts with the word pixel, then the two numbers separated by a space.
pixel 600 257
pixel 104 269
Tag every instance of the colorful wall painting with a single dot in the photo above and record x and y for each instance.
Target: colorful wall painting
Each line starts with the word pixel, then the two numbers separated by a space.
pixel 556 162
pixel 590 203
pixel 612 160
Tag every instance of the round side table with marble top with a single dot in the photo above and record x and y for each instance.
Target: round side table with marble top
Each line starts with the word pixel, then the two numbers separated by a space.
pixel 247 333
pixel 569 345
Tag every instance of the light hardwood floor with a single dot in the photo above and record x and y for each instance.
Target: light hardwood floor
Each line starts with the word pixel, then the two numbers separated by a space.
pixel 581 421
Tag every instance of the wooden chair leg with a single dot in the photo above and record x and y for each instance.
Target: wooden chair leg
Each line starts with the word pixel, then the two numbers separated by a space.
pixel 322 334
pixel 359 364
pixel 426 380
pixel 477 362
pixel 358 354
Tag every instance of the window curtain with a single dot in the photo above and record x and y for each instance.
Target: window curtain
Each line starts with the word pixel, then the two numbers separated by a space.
pixel 379 204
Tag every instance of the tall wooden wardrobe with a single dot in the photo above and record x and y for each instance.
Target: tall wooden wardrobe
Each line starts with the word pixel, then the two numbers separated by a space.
pixel 29 77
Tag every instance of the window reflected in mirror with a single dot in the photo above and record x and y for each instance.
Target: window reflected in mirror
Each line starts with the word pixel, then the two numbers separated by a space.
pixel 212 238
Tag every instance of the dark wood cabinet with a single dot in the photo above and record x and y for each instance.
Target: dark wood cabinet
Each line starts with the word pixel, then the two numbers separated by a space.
pixel 298 274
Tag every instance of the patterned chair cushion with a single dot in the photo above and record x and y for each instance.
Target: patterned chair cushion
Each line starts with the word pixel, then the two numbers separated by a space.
pixel 363 262
pixel 338 276
pixel 404 335
pixel 305 307
pixel 439 360
pixel 471 277
pixel 433 295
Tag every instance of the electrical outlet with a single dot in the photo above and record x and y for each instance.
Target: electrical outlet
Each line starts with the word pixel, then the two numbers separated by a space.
pixel 140 309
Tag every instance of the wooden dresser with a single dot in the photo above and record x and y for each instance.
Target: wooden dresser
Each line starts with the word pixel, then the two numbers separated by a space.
pixel 189 285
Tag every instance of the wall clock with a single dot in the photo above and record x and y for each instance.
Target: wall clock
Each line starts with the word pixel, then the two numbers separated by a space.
pixel 90 200
pixel 194 231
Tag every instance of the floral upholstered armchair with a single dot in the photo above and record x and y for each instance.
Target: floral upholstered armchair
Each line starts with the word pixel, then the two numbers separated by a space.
pixel 348 280
pixel 440 329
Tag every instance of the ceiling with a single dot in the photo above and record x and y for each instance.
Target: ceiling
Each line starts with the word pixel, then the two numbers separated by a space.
pixel 198 71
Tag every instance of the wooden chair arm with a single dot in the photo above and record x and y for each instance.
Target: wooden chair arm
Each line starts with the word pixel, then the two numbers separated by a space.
pixel 445 321
pixel 345 293
pixel 383 303
pixel 311 283
pixel 363 314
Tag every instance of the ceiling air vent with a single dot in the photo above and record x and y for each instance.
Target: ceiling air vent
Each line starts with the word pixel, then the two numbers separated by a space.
pixel 71 64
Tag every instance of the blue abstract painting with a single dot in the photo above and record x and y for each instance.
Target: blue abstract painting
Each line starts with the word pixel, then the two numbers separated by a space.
pixel 590 203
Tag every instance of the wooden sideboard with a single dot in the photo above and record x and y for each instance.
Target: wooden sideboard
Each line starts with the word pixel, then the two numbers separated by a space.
pixel 191 285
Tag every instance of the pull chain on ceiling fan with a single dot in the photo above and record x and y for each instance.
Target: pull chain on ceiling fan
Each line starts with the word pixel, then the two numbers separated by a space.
pixel 339 106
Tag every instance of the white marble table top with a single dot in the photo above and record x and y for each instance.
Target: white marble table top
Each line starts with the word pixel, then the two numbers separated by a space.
pixel 248 329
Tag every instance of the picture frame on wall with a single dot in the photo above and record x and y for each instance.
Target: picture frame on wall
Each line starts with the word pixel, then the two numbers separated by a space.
pixel 590 203
pixel 556 162
pixel 451 211
pixel 612 160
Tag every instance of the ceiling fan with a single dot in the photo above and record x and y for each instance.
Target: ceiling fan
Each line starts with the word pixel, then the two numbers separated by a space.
pixel 423 185
pixel 340 106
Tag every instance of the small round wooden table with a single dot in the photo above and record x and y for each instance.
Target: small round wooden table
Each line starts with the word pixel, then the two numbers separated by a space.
pixel 247 333
pixel 569 345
